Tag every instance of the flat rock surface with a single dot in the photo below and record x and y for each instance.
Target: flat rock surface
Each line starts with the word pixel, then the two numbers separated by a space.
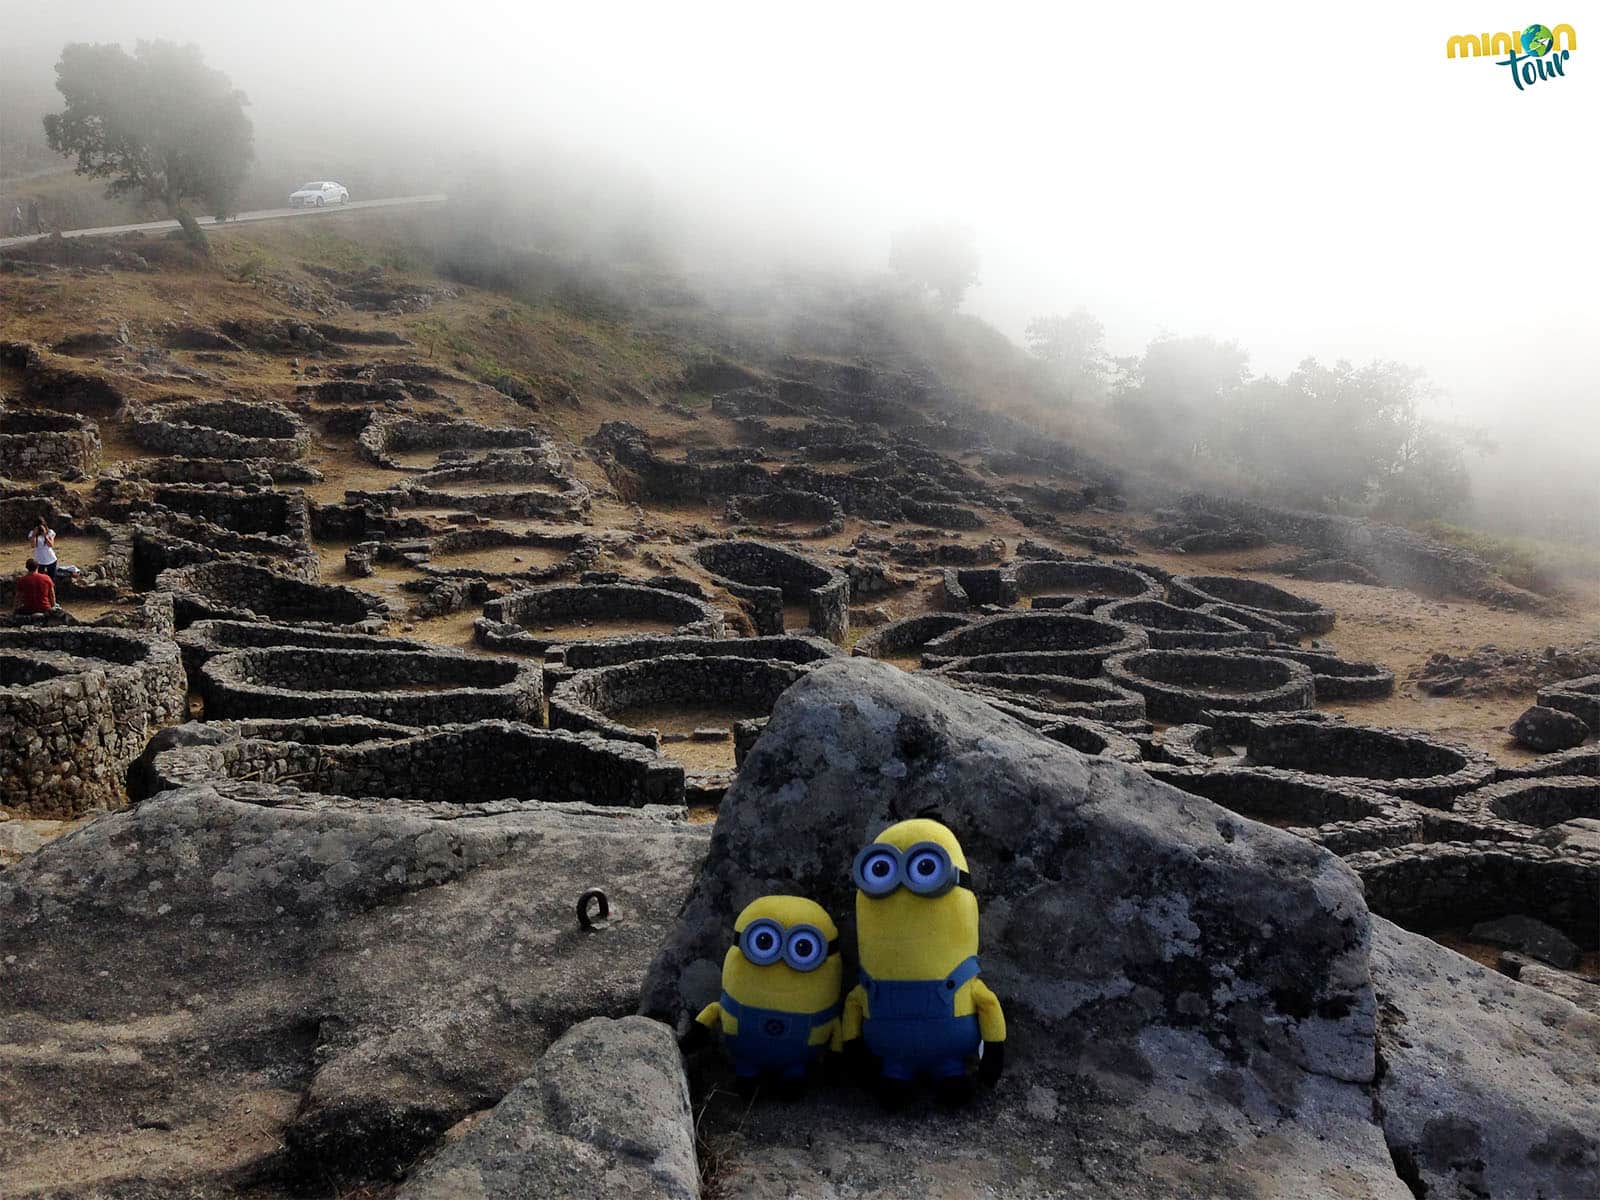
pixel 210 991
pixel 1189 1010
pixel 604 1116
pixel 1490 1087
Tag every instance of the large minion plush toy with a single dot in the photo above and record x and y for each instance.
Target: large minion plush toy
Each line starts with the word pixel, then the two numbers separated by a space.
pixel 920 1006
pixel 780 989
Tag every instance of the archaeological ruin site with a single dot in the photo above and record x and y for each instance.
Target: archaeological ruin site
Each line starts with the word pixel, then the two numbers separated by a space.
pixel 378 654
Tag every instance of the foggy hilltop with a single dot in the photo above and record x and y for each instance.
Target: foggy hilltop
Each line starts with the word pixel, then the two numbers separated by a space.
pixel 1168 173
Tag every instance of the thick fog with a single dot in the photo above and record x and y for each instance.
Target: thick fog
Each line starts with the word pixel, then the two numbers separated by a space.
pixel 1305 180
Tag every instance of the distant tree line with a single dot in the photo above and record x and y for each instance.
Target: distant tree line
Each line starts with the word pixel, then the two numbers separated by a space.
pixel 1340 437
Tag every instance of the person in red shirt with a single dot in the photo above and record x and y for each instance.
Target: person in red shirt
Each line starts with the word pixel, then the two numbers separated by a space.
pixel 35 592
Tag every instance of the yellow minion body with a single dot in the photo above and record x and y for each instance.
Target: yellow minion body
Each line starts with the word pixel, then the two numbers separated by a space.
pixel 772 1016
pixel 919 958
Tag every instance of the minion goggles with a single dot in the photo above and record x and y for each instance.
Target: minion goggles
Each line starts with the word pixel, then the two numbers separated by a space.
pixel 803 947
pixel 924 869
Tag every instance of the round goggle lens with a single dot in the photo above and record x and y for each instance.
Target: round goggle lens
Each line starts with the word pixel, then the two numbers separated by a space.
pixel 762 942
pixel 928 869
pixel 876 870
pixel 805 949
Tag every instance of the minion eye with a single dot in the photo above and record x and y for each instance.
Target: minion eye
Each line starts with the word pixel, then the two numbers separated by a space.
pixel 929 871
pixel 877 870
pixel 762 942
pixel 805 948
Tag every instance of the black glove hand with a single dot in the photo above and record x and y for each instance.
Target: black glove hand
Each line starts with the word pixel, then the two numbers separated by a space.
pixel 992 1063
pixel 859 1063
pixel 695 1037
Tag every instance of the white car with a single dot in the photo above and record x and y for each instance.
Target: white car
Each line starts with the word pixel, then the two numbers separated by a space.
pixel 315 195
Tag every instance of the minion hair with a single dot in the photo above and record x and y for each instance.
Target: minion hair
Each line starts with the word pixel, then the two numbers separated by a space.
pixel 931 812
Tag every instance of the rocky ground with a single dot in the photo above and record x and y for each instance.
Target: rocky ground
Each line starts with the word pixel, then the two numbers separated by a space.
pixel 334 946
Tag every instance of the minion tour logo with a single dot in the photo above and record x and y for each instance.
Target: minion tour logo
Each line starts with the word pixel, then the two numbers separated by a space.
pixel 1542 55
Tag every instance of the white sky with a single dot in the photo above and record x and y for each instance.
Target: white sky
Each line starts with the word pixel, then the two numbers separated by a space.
pixel 1307 180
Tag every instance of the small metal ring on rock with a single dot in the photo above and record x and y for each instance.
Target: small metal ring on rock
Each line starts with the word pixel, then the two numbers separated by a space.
pixel 586 921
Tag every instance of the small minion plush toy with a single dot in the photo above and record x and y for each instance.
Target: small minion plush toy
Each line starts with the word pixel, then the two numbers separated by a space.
pixel 920 1006
pixel 780 989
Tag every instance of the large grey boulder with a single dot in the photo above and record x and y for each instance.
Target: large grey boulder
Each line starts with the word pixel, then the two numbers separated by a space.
pixel 243 982
pixel 604 1116
pixel 1187 993
pixel 1548 729
pixel 1490 1088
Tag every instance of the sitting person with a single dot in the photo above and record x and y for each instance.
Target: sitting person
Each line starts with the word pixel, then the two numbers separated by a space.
pixel 35 591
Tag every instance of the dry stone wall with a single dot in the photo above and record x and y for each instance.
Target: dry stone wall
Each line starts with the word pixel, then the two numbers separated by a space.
pixel 231 590
pixel 46 443
pixel 477 763
pixel 228 429
pixel 516 622
pixel 592 699
pixel 1184 685
pixel 1252 596
pixel 422 687
pixel 766 578
pixel 77 705
pixel 382 439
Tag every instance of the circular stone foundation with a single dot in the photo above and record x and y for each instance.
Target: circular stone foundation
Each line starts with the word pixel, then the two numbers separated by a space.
pixel 33 443
pixel 901 642
pixel 1397 762
pixel 387 440
pixel 77 706
pixel 1339 815
pixel 1453 885
pixel 1092 584
pixel 423 687
pixel 482 762
pixel 1580 760
pixel 562 662
pixel 1092 738
pixel 1081 644
pixel 1056 695
pixel 769 580
pixel 230 590
pixel 1184 685
pixel 1532 804
pixel 229 429
pixel 21 670
pixel 1170 627
pixel 631 700
pixel 506 483
pixel 1337 678
pixel 205 639
pixel 529 621
pixel 823 514
pixel 1253 619
pixel 493 554
pixel 972 587
pixel 1251 595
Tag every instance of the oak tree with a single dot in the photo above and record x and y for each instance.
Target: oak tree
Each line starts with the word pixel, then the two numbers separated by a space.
pixel 158 123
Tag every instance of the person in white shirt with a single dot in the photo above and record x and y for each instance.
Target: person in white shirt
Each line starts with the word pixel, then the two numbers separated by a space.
pixel 42 545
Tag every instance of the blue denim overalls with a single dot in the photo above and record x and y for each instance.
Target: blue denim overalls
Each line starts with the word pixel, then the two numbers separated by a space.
pixel 913 1028
pixel 770 1040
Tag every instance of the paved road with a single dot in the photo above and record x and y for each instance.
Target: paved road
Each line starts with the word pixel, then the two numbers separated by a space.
pixel 265 214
